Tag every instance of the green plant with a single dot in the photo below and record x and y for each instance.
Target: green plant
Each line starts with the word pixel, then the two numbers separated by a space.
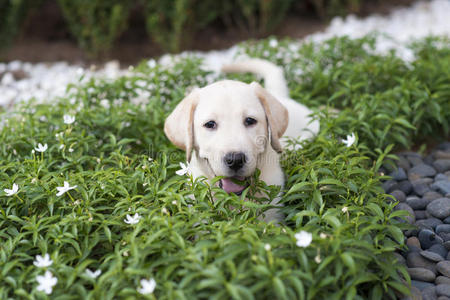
pixel 381 97
pixel 194 247
pixel 172 23
pixel 95 24
pixel 12 15
pixel 259 17
pixel 331 8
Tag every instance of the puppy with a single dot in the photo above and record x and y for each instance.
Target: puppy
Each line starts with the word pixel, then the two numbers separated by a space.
pixel 230 128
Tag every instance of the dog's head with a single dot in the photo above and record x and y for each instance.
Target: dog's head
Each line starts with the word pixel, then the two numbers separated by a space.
pixel 229 124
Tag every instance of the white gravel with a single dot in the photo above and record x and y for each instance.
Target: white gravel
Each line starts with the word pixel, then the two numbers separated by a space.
pixel 46 81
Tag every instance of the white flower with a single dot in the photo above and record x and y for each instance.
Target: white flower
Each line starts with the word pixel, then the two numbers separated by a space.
pixel 323 235
pixel 46 282
pixel 350 140
pixel 65 188
pixel 105 103
pixel 267 247
pixel 303 238
pixel 184 169
pixel 132 219
pixel 344 209
pixel 273 43
pixel 69 119
pixel 148 286
pixel 41 148
pixel 80 71
pixel 93 274
pixel 13 191
pixel 318 259
pixel 151 63
pixel 43 262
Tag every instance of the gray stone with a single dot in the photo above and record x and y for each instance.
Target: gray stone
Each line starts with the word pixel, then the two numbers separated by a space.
pixel 442 280
pixel 389 185
pixel 426 180
pixel 411 232
pixel 441 177
pixel 420 171
pixel 443 228
pixel 428 238
pixel 448 256
pixel 439 208
pixel 431 256
pixel 420 187
pixel 441 186
pixel 399 174
pixel 415 260
pixel 439 249
pixel 421 274
pixel 429 293
pixel 442 165
pixel 416 202
pixel 447 220
pixel 421 285
pixel 432 195
pixel 420 214
pixel 403 163
pixel 443 298
pixel 442 155
pixel 398 195
pixel 443 290
pixel 405 186
pixel 445 236
pixel 413 248
pixel 403 206
pixel 429 159
pixel 444 267
pixel 415 160
pixel 429 223
pixel 444 146
pixel 447 245
pixel 413 241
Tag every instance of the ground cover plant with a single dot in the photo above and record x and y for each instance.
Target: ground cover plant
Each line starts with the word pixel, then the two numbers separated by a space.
pixel 97 24
pixel 91 181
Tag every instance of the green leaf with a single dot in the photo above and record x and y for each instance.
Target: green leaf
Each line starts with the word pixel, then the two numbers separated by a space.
pixel 348 261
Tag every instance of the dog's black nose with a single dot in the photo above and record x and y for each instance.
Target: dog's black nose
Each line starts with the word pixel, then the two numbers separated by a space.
pixel 235 160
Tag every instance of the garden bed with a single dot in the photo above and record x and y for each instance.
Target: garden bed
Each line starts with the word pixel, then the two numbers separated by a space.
pixel 100 192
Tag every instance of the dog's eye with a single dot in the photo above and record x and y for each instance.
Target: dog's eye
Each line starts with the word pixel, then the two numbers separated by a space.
pixel 210 124
pixel 249 121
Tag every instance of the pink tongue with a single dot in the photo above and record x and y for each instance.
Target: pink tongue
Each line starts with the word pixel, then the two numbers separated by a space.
pixel 230 187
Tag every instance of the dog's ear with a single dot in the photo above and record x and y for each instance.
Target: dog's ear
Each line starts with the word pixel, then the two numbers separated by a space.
pixel 277 115
pixel 179 125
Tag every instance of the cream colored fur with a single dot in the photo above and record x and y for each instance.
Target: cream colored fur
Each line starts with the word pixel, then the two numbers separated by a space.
pixel 229 103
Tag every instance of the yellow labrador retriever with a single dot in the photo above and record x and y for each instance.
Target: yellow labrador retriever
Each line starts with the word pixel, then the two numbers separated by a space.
pixel 230 128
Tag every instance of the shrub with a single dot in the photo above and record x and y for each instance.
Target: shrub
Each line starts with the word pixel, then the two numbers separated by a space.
pixel 12 15
pixel 117 155
pixel 95 23
pixel 331 8
pixel 259 17
pixel 381 97
pixel 172 23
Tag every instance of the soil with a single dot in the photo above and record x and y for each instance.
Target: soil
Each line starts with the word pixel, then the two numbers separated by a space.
pixel 45 37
